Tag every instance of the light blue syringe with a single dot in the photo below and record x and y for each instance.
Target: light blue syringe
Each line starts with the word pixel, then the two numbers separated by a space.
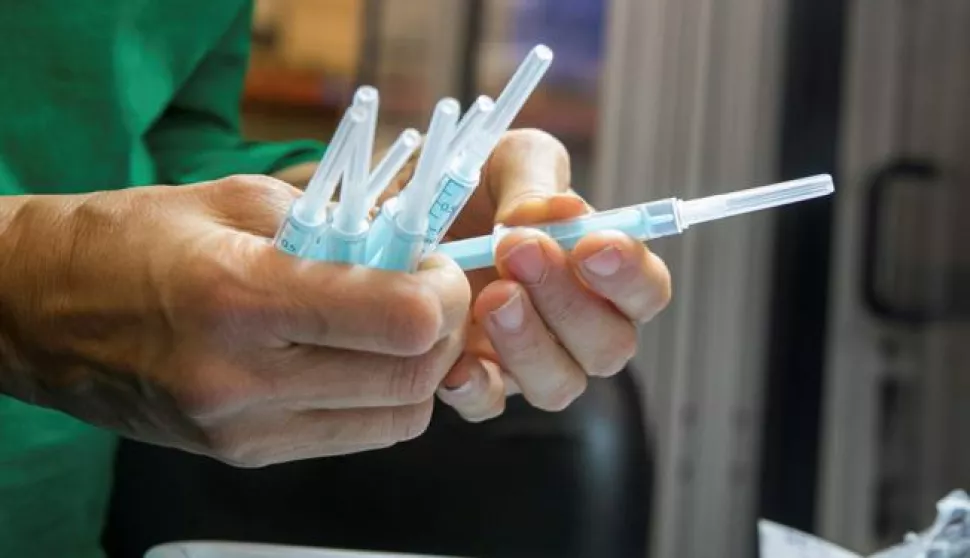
pixel 346 237
pixel 649 220
pixel 464 170
pixel 309 215
pixel 477 134
pixel 406 215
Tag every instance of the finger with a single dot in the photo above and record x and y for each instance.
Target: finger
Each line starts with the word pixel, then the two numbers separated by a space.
pixel 624 272
pixel 547 375
pixel 351 307
pixel 306 377
pixel 526 169
pixel 474 388
pixel 311 434
pixel 597 336
pixel 251 203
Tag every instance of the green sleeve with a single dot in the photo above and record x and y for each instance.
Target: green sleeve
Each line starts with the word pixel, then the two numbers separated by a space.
pixel 199 137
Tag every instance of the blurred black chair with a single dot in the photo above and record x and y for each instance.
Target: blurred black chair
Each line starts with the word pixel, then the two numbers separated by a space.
pixel 576 484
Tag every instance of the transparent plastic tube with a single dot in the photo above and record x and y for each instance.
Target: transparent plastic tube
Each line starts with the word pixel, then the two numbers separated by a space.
pixel 417 197
pixel 464 171
pixel 392 163
pixel 507 106
pixel 347 236
pixel 399 246
pixel 471 125
pixel 308 217
pixel 649 220
pixel 319 191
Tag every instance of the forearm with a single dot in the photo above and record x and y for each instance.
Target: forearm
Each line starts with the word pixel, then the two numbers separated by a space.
pixel 14 210
pixel 38 255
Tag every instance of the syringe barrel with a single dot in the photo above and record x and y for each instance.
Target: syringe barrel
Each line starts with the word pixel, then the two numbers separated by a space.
pixel 299 238
pixel 402 251
pixel 642 222
pixel 454 191
pixel 380 230
pixel 346 248
pixel 294 237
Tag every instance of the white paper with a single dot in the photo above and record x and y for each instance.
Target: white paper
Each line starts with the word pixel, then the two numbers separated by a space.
pixel 778 541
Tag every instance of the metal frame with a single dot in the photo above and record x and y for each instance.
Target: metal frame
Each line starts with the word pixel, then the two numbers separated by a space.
pixel 689 107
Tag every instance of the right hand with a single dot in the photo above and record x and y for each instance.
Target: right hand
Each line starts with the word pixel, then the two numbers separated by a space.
pixel 164 313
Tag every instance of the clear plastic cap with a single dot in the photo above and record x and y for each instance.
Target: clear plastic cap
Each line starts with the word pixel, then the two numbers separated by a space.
pixel 416 199
pixel 471 124
pixel 507 106
pixel 311 206
pixel 353 196
pixel 720 206
pixel 392 163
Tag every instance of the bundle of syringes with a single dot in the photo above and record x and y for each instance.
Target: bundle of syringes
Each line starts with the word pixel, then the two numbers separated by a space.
pixel 411 225
pixel 948 537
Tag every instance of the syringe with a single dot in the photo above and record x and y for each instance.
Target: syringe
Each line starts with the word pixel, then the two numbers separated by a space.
pixel 346 238
pixel 308 216
pixel 464 170
pixel 407 214
pixel 649 220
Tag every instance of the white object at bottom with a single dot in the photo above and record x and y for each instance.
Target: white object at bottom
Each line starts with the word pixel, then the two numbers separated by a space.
pixel 247 550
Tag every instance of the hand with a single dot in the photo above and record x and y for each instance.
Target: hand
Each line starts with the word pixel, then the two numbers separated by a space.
pixel 545 320
pixel 165 313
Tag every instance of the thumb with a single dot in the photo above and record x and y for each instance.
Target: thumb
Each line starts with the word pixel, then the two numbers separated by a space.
pixel 528 179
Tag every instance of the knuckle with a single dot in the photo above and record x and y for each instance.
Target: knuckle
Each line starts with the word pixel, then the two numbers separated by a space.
pixel 534 136
pixel 256 191
pixel 201 400
pixel 612 359
pixel 565 310
pixel 232 449
pixel 208 392
pixel 416 380
pixel 414 319
pixel 666 292
pixel 490 412
pixel 660 294
pixel 563 393
pixel 230 190
pixel 408 423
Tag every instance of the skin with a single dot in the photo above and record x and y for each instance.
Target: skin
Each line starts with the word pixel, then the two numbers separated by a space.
pixel 545 321
pixel 165 313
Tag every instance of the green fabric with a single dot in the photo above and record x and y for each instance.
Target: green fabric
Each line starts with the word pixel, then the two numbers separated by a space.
pixel 96 95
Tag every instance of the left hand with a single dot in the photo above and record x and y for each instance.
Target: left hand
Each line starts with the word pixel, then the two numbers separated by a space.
pixel 543 321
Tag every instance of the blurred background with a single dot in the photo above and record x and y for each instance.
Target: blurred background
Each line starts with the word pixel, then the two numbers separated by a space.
pixel 814 367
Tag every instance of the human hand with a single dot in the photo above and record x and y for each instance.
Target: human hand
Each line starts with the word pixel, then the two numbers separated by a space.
pixel 544 320
pixel 165 313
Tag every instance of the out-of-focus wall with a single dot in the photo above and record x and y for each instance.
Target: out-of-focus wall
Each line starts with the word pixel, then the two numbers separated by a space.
pixel 323 35
pixel 690 107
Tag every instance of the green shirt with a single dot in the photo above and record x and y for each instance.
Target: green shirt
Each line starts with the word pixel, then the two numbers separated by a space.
pixel 96 95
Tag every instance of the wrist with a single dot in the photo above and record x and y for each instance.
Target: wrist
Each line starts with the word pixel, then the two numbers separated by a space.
pixel 11 366
pixel 30 247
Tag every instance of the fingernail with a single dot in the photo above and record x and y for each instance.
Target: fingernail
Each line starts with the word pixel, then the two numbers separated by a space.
pixel 458 382
pixel 510 315
pixel 604 263
pixel 527 262
pixel 460 389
